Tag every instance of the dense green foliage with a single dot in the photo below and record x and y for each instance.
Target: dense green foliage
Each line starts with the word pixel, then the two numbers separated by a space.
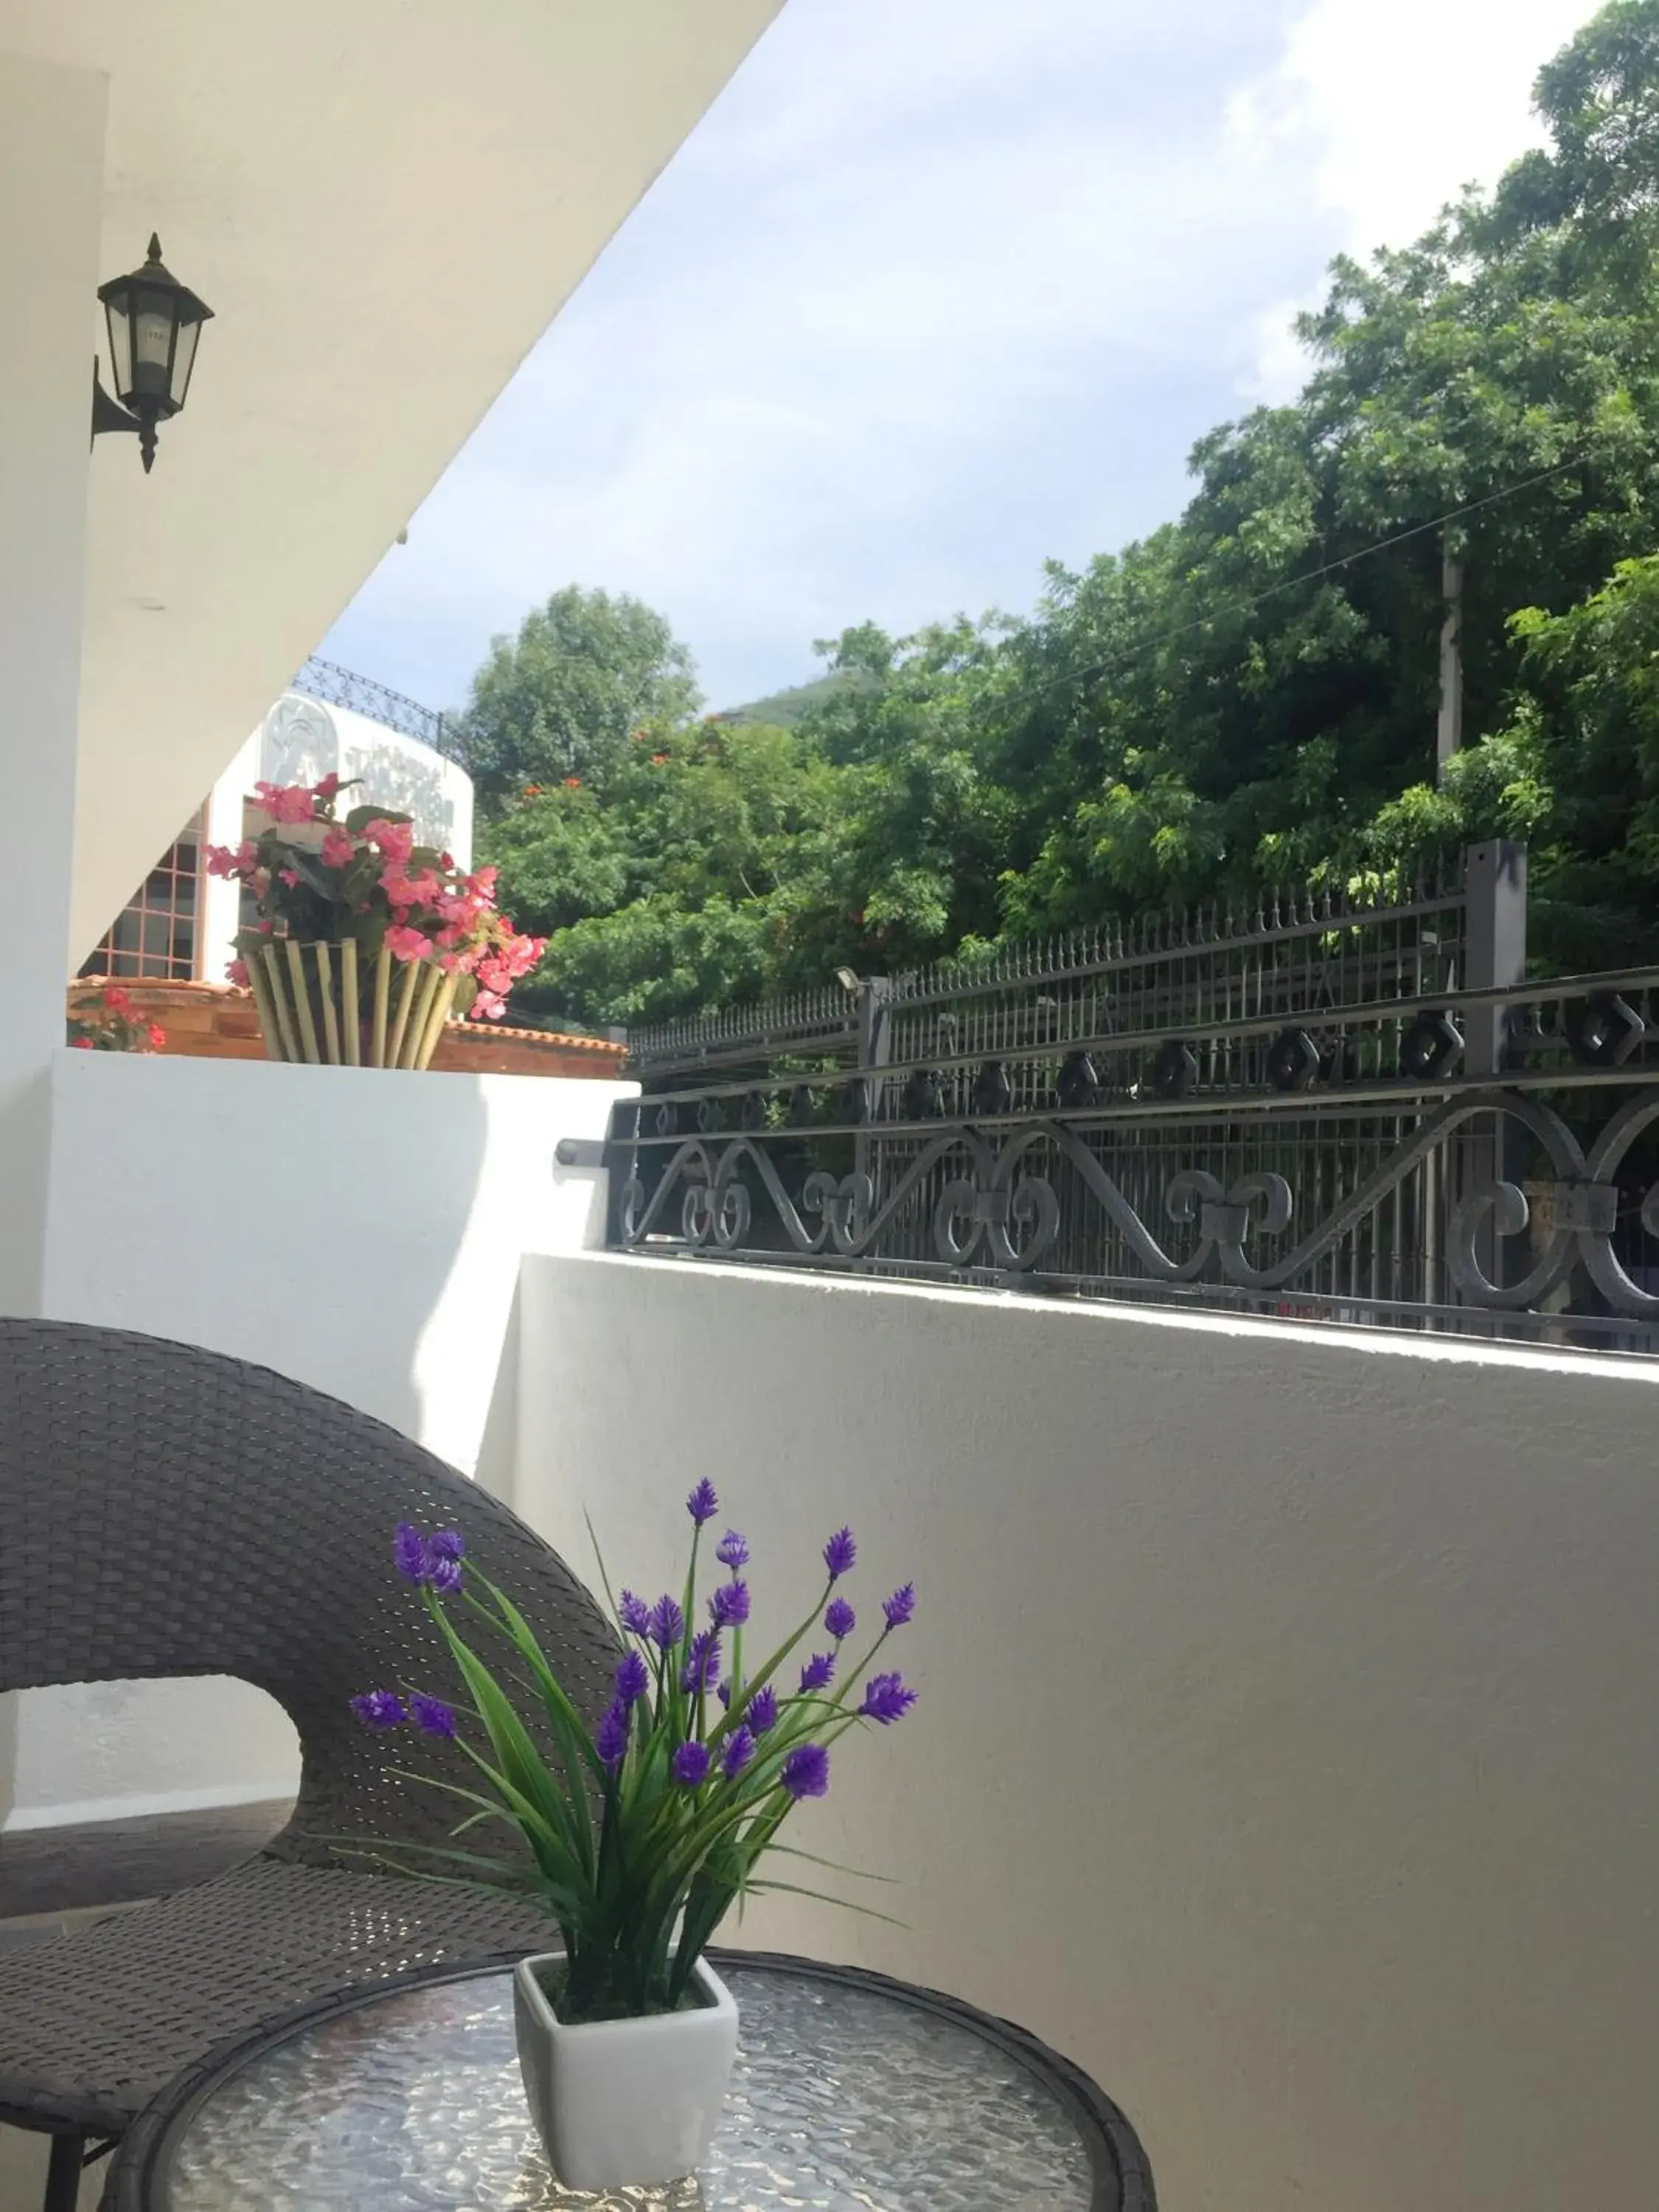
pixel 1246 696
pixel 562 698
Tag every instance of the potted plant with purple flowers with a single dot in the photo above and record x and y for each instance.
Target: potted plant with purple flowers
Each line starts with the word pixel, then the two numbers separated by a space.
pixel 642 1832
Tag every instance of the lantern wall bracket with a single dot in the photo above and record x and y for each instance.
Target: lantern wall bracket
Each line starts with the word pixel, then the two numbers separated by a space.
pixel 108 415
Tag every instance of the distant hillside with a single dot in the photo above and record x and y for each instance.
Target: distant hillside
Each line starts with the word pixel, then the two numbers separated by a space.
pixel 784 709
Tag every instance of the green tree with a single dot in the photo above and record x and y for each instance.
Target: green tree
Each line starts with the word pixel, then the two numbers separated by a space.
pixel 680 881
pixel 565 695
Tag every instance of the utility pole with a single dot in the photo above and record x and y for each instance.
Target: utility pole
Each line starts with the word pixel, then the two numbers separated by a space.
pixel 1449 735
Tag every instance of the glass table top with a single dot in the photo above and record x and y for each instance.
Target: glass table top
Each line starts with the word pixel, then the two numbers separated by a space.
pixel 846 2099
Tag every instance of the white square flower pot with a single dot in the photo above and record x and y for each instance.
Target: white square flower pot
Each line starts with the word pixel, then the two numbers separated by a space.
pixel 621 2102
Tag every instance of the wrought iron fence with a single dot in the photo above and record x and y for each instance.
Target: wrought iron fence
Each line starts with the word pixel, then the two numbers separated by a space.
pixel 1344 1107
pixel 343 687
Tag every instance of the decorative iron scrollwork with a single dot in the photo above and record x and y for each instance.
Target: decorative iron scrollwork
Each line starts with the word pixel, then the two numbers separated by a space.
pixel 992 1203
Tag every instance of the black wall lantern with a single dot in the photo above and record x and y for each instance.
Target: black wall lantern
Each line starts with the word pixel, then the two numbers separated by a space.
pixel 154 323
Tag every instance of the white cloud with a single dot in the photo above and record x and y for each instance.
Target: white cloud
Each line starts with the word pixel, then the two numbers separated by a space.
pixel 1384 116
pixel 941 287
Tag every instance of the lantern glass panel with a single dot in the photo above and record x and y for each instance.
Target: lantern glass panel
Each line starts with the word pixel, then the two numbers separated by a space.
pixel 184 360
pixel 153 326
pixel 120 346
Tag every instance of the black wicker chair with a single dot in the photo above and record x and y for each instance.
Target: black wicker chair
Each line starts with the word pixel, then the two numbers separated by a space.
pixel 167 1512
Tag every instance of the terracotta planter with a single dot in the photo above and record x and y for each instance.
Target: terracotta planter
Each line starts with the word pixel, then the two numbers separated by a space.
pixel 624 2104
pixel 316 1002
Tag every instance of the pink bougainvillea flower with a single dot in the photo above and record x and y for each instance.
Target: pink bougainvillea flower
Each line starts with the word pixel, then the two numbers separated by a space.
pixel 407 944
pixel 238 974
pixel 488 1006
pixel 118 1000
pixel 393 841
pixel 286 802
pixel 231 860
pixel 339 849
pixel 459 909
pixel 411 890
pixel 289 876
pixel 327 788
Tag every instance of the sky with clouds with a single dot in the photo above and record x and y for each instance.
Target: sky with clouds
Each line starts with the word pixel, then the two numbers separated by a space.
pixel 939 290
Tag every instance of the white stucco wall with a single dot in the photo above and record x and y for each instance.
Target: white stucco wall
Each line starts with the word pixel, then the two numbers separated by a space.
pixel 403 1204
pixel 1289 1742
pixel 52 143
pixel 303 740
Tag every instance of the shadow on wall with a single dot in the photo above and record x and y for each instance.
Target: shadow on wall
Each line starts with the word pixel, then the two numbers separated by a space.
pixel 306 1217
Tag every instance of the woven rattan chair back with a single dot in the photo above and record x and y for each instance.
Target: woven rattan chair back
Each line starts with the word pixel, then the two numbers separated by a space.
pixel 168 1512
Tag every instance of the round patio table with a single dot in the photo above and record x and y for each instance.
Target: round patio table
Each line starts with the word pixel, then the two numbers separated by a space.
pixel 852 2094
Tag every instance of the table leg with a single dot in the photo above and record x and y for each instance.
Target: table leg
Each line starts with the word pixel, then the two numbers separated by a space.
pixel 63 2173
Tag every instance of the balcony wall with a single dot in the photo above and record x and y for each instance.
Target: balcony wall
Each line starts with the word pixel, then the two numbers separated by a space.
pixel 359 1230
pixel 1288 1748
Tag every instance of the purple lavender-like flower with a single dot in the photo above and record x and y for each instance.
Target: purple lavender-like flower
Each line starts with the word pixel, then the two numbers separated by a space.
pixel 732 1550
pixel 691 1765
pixel 632 1678
pixel 724 1693
pixel 886 1698
pixel 436 1559
pixel 763 1710
pixel 840 1554
pixel 840 1618
pixel 729 1606
pixel 901 1606
pixel 633 1613
pixel 379 1709
pixel 806 1771
pixel 431 1715
pixel 667 1623
pixel 739 1750
pixel 703 1504
pixel 817 1673
pixel 703 1662
pixel 611 1737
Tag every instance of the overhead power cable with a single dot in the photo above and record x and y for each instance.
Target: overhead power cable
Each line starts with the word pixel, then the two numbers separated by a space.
pixel 1309 576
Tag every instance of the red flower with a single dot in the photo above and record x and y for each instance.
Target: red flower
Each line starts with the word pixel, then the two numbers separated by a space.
pixel 326 789
pixel 573 783
pixel 117 1000
pixel 85 1044
pixel 659 760
pixel 158 1037
pixel 533 791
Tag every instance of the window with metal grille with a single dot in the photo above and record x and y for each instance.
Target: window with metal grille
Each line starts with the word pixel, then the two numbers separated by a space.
pixel 155 933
